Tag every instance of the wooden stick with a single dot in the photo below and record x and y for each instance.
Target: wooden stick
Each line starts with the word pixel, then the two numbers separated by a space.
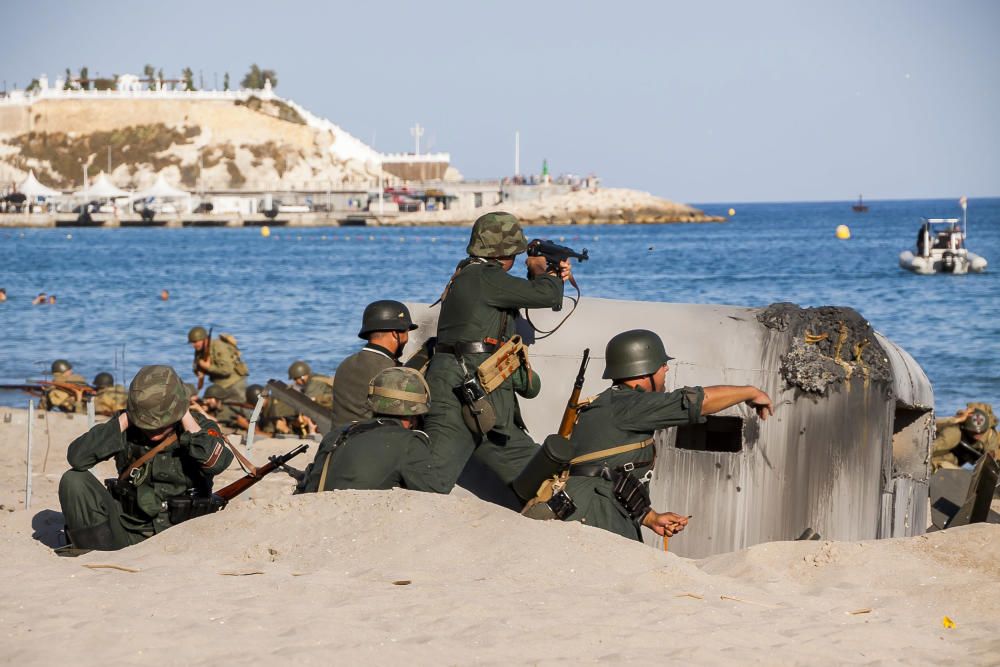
pixel 109 566
pixel 693 596
pixel 759 604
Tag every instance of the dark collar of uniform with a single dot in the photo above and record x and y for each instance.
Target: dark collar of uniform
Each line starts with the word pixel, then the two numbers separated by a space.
pixel 378 349
pixel 626 387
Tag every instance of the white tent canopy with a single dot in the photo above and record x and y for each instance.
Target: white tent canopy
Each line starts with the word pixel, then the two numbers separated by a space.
pixel 32 189
pixel 101 188
pixel 161 190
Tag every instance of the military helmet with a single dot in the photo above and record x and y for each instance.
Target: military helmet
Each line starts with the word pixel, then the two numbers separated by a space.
pixel 215 391
pixel 298 369
pixel 156 398
pixel 61 366
pixel 253 393
pixel 633 354
pixel 978 422
pixel 399 391
pixel 104 380
pixel 496 234
pixel 385 315
pixel 196 334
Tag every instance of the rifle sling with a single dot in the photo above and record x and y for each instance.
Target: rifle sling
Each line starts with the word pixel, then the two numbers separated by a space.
pixel 141 461
pixel 244 461
pixel 604 453
pixel 326 468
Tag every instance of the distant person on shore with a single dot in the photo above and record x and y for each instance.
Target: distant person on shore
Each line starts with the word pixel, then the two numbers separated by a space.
pixel 110 397
pixel 224 365
pixel 39 300
pixel 156 432
pixel 164 295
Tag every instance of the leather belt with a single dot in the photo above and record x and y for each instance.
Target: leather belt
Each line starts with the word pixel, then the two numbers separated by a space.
pixel 477 347
pixel 595 470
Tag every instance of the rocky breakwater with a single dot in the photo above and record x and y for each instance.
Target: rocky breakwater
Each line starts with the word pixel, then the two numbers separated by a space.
pixel 611 206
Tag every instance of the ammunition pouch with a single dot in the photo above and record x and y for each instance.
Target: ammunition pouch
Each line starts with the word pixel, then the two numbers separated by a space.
pixel 477 410
pixel 191 506
pixel 124 492
pixel 502 364
pixel 631 493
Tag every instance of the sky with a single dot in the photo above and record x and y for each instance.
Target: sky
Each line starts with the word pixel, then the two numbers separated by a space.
pixel 728 101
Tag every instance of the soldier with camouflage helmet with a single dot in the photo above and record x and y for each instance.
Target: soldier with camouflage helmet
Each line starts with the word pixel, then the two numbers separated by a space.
pixel 479 310
pixel 962 439
pixel 386 327
pixel 161 451
pixel 110 397
pixel 610 491
pixel 224 365
pixel 69 395
pixel 385 451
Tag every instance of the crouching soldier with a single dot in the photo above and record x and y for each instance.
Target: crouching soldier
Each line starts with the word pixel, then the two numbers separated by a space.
pixel 616 430
pixel 385 451
pixel 161 451
pixel 110 397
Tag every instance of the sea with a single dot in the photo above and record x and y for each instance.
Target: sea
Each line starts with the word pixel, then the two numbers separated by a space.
pixel 299 292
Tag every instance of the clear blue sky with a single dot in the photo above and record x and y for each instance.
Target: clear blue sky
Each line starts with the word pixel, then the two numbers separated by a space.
pixel 694 101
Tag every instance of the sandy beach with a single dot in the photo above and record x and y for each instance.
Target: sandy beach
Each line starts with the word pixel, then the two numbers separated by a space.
pixel 398 576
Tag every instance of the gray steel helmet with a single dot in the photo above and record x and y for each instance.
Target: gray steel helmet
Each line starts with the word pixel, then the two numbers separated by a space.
pixel 156 398
pixel 978 422
pixel 215 391
pixel 633 354
pixel 196 334
pixel 385 315
pixel 61 366
pixel 496 234
pixel 298 369
pixel 399 391
pixel 104 380
pixel 253 393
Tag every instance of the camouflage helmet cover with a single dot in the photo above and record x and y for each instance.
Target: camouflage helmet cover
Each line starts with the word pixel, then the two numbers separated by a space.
pixel 401 391
pixel 104 380
pixel 385 315
pixel 196 334
pixel 496 234
pixel 978 422
pixel 156 398
pixel 633 354
pixel 298 369
pixel 61 366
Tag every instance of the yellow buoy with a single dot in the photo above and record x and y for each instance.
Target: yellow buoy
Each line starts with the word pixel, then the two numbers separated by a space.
pixel 843 232
pixel 265 231
pixel 732 212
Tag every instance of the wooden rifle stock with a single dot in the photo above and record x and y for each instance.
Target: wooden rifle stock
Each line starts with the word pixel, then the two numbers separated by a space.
pixel 573 405
pixel 205 355
pixel 230 491
pixel 66 386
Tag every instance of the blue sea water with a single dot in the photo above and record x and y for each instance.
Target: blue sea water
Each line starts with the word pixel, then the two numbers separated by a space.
pixel 300 292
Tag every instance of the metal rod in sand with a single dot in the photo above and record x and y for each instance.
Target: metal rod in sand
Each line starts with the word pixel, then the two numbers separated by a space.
pixel 27 479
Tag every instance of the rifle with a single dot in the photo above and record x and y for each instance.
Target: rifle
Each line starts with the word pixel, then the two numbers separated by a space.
pixel 573 404
pixel 302 404
pixel 230 491
pixel 65 386
pixel 205 355
pixel 554 253
pixel 33 389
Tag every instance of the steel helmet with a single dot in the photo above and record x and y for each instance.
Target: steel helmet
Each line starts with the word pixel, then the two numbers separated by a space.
pixel 61 366
pixel 104 380
pixel 385 315
pixel 196 334
pixel 978 422
pixel 399 391
pixel 633 354
pixel 253 393
pixel 215 391
pixel 298 369
pixel 156 398
pixel 496 234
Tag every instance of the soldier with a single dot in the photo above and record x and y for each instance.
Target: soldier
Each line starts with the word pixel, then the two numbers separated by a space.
pixel 317 387
pixel 224 365
pixel 385 451
pixel 478 312
pixel 608 492
pixel 386 325
pixel 66 396
pixel 275 417
pixel 962 439
pixel 218 408
pixel 110 397
pixel 164 455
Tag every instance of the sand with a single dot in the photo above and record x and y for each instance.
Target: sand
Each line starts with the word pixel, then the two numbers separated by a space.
pixel 398 576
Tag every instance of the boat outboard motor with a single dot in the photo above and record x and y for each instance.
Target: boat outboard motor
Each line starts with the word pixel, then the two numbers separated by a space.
pixel 948 262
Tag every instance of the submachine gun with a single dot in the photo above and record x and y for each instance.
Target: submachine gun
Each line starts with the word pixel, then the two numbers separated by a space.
pixel 554 254
pixel 302 404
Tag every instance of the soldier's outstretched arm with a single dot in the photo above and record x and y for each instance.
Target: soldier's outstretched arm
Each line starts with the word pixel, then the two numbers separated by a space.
pixel 664 524
pixel 719 397
pixel 507 291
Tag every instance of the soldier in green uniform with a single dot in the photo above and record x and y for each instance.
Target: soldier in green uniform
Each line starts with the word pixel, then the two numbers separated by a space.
pixel 110 397
pixel 385 451
pixel 66 398
pixel 224 366
pixel 219 408
pixel 478 312
pixel 317 387
pixel 609 492
pixel 962 439
pixel 161 450
pixel 386 326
